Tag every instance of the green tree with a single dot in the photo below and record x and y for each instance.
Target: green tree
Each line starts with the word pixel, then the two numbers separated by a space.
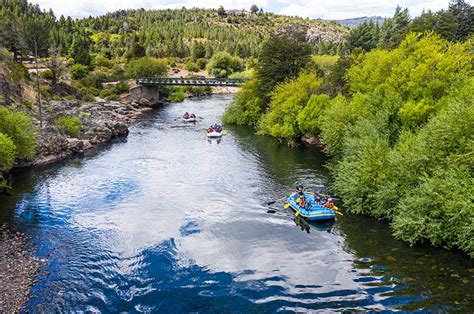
pixel 80 50
pixel 281 58
pixel 221 11
pixel 254 9
pixel 145 67
pixel 79 71
pixel 287 101
pixel 7 153
pixel 222 64
pixel 17 126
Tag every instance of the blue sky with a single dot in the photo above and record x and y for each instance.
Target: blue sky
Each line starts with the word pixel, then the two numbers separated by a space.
pixel 335 9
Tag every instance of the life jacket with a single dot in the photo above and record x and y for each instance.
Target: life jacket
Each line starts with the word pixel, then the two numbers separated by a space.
pixel 303 202
pixel 330 204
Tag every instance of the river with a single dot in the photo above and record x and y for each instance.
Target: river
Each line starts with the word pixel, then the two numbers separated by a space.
pixel 166 221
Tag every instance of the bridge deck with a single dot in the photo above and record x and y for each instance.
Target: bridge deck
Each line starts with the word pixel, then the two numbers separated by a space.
pixel 176 81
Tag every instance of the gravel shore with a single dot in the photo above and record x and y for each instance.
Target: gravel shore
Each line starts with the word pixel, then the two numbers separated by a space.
pixel 18 269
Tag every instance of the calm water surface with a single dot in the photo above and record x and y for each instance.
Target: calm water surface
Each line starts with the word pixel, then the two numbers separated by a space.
pixel 165 221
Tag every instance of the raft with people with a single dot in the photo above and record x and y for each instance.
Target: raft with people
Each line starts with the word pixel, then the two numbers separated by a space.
pixel 189 117
pixel 215 131
pixel 312 207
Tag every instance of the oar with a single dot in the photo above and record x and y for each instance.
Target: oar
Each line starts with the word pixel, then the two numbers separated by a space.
pixel 273 202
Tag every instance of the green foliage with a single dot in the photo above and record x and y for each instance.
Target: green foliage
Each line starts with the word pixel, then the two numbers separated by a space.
pixel 80 50
pixel 7 153
pixel 69 125
pixel 244 75
pixel 46 74
pixel 201 63
pixel 287 101
pixel 17 73
pixel 223 64
pixel 309 118
pixel 280 58
pixel 192 67
pixel 247 107
pixel 145 67
pixel 177 95
pixel 78 71
pixel 17 126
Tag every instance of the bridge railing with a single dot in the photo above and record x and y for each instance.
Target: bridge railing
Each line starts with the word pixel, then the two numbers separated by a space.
pixel 176 81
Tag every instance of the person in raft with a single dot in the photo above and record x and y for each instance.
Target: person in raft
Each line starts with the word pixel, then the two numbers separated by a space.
pixel 186 115
pixel 192 115
pixel 329 203
pixel 318 198
pixel 300 190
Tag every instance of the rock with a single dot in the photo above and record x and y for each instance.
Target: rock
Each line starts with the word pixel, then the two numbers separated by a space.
pixel 119 128
pixel 312 141
pixel 144 102
pixel 86 144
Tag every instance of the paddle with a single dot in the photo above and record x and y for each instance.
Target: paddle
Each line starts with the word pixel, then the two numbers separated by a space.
pixel 277 200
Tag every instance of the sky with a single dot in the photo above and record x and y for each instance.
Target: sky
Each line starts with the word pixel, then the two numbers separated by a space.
pixel 332 9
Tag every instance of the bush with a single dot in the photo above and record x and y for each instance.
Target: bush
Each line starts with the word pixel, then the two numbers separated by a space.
pixel 7 153
pixel 46 74
pixel 247 107
pixel 120 88
pixel 145 67
pixel 18 73
pixel 17 126
pixel 69 125
pixel 78 71
pixel 192 67
pixel 177 95
pixel 287 100
pixel 309 117
pixel 101 61
pixel 223 64
pixel 201 63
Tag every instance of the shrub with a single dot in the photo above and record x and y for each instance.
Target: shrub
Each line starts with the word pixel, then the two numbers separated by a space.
pixel 17 72
pixel 145 67
pixel 46 74
pixel 17 126
pixel 79 71
pixel 223 64
pixel 192 67
pixel 7 153
pixel 177 95
pixel 287 100
pixel 201 63
pixel 69 125
pixel 101 61
pixel 120 88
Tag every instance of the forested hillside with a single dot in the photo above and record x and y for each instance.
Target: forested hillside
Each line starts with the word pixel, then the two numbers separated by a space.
pixel 394 110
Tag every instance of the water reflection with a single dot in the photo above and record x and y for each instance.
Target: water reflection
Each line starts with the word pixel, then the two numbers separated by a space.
pixel 167 222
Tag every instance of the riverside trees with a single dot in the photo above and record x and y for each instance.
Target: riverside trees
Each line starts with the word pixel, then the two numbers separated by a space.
pixel 401 134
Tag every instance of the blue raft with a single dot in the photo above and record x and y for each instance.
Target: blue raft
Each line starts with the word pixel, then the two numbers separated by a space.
pixel 312 211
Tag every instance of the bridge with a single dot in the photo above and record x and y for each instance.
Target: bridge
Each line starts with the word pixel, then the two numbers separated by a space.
pixel 179 81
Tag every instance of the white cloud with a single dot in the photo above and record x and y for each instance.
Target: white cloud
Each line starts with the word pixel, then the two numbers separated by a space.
pixel 82 8
pixel 348 9
pixel 336 9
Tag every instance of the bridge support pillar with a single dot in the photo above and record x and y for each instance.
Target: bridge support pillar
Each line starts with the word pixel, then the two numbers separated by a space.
pixel 145 95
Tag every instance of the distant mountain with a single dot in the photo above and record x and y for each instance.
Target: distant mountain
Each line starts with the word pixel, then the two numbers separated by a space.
pixel 354 22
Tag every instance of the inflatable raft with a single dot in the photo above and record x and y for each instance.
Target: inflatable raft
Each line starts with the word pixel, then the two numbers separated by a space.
pixel 311 211
pixel 189 119
pixel 215 134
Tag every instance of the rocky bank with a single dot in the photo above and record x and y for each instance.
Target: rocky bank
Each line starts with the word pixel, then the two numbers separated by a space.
pixel 17 272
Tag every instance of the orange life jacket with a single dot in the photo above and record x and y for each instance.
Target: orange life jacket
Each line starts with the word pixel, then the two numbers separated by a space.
pixel 303 202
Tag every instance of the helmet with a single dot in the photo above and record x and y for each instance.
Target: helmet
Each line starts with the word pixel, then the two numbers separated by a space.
pixel 330 200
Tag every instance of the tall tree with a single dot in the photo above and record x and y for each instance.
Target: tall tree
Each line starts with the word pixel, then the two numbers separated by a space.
pixel 280 58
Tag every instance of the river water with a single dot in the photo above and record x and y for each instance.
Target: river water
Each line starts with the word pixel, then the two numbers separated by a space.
pixel 166 221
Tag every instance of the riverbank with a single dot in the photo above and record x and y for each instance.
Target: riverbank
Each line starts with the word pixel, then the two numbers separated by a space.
pixel 18 270
pixel 101 121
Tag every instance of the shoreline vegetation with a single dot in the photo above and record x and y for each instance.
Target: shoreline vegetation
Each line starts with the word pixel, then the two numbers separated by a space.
pixel 395 113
